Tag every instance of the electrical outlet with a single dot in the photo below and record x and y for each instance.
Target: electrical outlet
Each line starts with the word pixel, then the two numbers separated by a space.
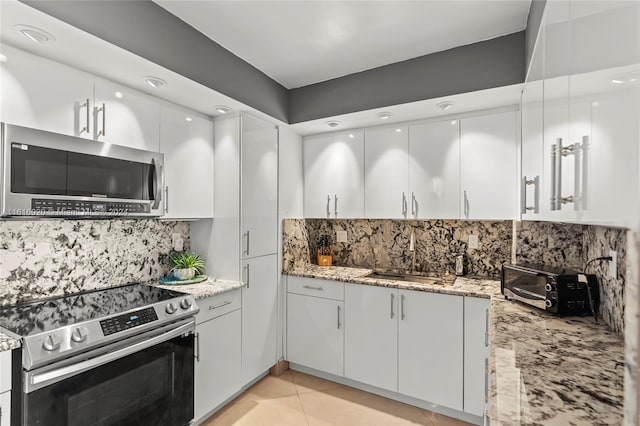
pixel 473 241
pixel 613 265
pixel 341 236
pixel 177 242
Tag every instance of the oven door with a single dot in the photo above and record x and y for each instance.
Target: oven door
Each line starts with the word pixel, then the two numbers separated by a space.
pixel 148 381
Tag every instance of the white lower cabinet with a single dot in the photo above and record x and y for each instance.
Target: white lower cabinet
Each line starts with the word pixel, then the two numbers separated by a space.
pixel 371 344
pixel 5 408
pixel 476 355
pixel 218 366
pixel 259 315
pixel 315 333
pixel 430 347
pixel 5 388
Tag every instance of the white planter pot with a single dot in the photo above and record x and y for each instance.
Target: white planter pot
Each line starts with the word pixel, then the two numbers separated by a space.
pixel 184 274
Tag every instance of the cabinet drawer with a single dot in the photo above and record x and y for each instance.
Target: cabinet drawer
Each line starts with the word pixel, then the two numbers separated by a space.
pixel 217 305
pixel 5 371
pixel 316 287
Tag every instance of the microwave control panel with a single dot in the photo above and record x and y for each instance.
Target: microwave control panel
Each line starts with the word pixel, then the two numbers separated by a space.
pixel 91 207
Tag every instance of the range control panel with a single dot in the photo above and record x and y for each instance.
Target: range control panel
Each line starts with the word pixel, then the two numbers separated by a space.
pixel 89 207
pixel 127 321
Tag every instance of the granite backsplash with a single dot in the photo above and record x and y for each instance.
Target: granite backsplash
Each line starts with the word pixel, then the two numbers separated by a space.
pixel 384 244
pixel 46 258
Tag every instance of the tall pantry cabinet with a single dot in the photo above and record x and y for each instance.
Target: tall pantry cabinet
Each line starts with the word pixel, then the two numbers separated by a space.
pixel 245 236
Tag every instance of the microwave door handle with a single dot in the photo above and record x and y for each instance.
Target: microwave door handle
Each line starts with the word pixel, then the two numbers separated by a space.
pixel 158 179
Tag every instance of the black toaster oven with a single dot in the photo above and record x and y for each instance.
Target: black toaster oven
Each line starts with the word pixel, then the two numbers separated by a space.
pixel 557 290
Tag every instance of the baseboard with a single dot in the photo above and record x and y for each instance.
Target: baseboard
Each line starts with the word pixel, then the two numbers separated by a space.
pixel 280 367
pixel 470 418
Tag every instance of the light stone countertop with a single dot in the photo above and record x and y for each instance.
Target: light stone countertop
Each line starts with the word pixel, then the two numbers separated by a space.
pixel 8 343
pixel 545 370
pixel 209 288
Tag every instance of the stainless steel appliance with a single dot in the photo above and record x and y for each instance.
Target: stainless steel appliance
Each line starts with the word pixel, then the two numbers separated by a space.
pixel 560 291
pixel 51 175
pixel 118 356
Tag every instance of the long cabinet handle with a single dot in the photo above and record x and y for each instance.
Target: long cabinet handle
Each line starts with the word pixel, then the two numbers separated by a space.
pixel 338 311
pixel 486 380
pixel 523 195
pixel 310 287
pixel 404 205
pixel 328 209
pixel 465 205
pixel 197 347
pixel 246 242
pixel 402 306
pixel 414 206
pixel 103 110
pixel 486 327
pixel 485 418
pixel 220 305
pixel 585 174
pixel 392 313
pixel 246 275
pixel 166 199
pixel 88 118
pixel 335 205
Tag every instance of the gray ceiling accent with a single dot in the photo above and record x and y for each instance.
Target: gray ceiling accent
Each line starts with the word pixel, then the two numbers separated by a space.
pixel 487 64
pixel 148 30
pixel 534 20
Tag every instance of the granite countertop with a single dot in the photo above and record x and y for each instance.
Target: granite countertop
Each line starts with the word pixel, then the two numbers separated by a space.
pixel 545 370
pixel 449 284
pixel 209 288
pixel 8 343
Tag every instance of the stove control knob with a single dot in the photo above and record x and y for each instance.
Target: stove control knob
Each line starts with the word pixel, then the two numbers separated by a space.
pixel 185 303
pixel 52 342
pixel 550 287
pixel 171 308
pixel 549 303
pixel 79 334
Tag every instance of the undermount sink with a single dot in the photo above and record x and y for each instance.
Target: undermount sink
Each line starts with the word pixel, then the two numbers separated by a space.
pixel 415 278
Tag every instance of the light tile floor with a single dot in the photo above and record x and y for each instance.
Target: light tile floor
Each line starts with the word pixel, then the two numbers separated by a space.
pixel 298 399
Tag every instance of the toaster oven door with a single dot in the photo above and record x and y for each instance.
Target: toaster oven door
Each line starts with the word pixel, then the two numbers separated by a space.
pixel 525 286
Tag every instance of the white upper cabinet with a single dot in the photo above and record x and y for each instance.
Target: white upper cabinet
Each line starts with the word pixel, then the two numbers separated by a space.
pixel 434 170
pixel 259 219
pixel 334 175
pixel 45 95
pixel 386 166
pixel 488 151
pixel 188 163
pixel 124 116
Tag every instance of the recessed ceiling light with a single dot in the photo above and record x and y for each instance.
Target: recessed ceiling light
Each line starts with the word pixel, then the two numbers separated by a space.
pixel 616 81
pixel 333 123
pixel 188 119
pixel 398 130
pixel 3 58
pixel 383 115
pixel 154 82
pixel 351 135
pixel 34 34
pixel 222 109
pixel 454 122
pixel 446 105
pixel 118 95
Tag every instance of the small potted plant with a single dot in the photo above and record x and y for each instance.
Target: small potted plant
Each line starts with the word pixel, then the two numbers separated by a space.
pixel 185 266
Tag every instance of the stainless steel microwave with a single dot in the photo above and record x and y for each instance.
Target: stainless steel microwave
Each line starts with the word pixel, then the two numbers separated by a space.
pixel 44 174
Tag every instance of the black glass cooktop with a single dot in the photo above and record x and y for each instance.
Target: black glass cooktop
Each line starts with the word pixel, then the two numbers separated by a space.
pixel 45 315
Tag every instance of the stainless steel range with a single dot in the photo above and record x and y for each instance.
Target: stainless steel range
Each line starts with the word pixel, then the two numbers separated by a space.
pixel 122 356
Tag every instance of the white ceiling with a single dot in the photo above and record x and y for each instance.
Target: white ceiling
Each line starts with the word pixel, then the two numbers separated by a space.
pixel 303 42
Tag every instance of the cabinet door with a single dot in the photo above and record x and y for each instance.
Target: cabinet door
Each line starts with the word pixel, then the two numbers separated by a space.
pixel 434 170
pixel 334 175
pixel 218 366
pixel 124 116
pixel 315 333
pixel 5 409
pixel 188 163
pixel 259 220
pixel 386 163
pixel 488 166
pixel 44 94
pixel 476 355
pixel 430 342
pixel 371 336
pixel 347 174
pixel 259 309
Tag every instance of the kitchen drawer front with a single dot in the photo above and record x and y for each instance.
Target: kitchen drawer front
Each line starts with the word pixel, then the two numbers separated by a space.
pixel 220 304
pixel 316 287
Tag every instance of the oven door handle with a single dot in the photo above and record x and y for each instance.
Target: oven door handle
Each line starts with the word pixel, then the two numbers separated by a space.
pixel 37 380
